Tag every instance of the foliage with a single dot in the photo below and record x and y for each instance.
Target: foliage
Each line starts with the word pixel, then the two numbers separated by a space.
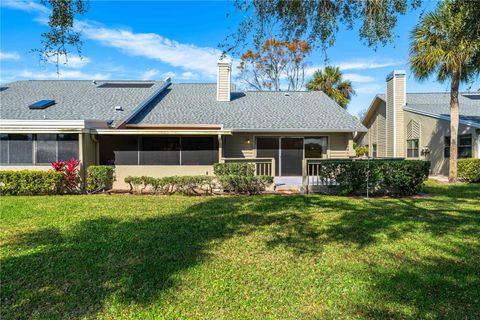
pixel 100 178
pixel 330 81
pixel 187 185
pixel 442 46
pixel 71 170
pixel 393 177
pixel 361 150
pixel 240 184
pixel 275 257
pixel 317 21
pixel 234 168
pixel 28 182
pixel 62 35
pixel 469 170
pixel 275 60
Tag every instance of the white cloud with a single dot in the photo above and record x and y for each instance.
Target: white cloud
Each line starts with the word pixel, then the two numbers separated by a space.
pixel 355 77
pixel 370 88
pixel 62 75
pixel 70 61
pixel 28 6
pixel 149 74
pixel 360 64
pixel 189 76
pixel 151 45
pixel 9 55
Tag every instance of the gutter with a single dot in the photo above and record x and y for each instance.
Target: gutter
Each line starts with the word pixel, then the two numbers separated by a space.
pixel 297 130
pixel 145 102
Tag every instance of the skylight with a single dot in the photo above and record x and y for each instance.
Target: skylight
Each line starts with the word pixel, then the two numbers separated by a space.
pixel 472 96
pixel 42 104
pixel 126 85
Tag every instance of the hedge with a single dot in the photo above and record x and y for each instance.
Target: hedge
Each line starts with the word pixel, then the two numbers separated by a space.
pixel 188 185
pixel 100 178
pixel 394 177
pixel 469 170
pixel 239 184
pixel 234 168
pixel 29 182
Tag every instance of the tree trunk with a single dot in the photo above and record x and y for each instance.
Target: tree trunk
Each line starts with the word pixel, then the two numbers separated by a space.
pixel 454 119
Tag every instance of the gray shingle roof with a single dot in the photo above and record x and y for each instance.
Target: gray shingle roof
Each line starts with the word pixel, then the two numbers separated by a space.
pixel 178 104
pixel 75 100
pixel 255 110
pixel 439 104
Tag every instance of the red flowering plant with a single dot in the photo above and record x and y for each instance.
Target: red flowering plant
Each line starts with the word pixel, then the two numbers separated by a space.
pixel 71 170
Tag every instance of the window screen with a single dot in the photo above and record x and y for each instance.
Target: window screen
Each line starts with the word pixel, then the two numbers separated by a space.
pixel 20 148
pixel 46 148
pixel 3 148
pixel 118 150
pixel 199 151
pixel 268 147
pixel 160 151
pixel 67 146
pixel 316 147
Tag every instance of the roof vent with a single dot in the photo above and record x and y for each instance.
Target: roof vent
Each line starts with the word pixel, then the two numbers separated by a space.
pixel 42 104
pixel 118 108
pixel 287 94
pixel 94 81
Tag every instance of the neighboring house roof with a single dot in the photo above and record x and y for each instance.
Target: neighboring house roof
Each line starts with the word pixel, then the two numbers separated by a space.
pixel 165 103
pixel 437 105
pixel 248 111
pixel 74 99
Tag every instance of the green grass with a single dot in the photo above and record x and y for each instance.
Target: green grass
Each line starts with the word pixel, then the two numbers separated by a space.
pixel 263 257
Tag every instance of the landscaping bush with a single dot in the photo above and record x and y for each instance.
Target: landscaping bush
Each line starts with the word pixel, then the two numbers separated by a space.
pixel 245 184
pixel 71 171
pixel 188 185
pixel 100 178
pixel 28 182
pixel 469 170
pixel 234 168
pixel 395 177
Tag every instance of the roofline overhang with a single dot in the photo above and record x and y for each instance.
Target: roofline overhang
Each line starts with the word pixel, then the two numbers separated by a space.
pixel 176 126
pixel 14 125
pixel 441 117
pixel 298 130
pixel 144 103
pixel 161 132
pixel 371 109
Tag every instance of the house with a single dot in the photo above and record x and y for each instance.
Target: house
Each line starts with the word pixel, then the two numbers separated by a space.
pixel 159 128
pixel 417 125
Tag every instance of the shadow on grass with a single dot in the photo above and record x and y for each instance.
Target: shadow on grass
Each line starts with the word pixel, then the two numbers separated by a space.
pixel 70 275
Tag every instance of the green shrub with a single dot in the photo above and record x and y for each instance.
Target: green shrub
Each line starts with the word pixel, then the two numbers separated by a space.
pixel 239 184
pixel 100 178
pixel 28 182
pixel 234 168
pixel 395 177
pixel 469 170
pixel 188 185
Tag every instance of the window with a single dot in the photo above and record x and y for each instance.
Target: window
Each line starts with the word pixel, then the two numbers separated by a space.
pixel 464 146
pixel 199 151
pixel 37 149
pixel 119 150
pixel 374 150
pixel 316 147
pixel 160 151
pixel 412 148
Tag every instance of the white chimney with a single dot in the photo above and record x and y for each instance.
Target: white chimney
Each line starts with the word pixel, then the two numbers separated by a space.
pixel 224 76
pixel 396 99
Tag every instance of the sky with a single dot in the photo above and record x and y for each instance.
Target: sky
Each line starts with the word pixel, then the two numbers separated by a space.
pixel 155 39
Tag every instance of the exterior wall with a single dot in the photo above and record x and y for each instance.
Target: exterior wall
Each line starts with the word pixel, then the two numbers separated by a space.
pixel 26 167
pixel 389 120
pixel 432 134
pixel 377 131
pixel 157 171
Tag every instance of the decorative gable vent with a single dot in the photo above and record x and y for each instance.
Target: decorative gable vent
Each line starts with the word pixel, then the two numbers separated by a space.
pixel 413 130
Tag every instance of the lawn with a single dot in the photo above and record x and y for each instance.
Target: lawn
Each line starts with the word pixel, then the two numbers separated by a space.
pixel 303 257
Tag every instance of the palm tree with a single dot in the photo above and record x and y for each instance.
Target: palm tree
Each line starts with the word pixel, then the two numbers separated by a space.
pixel 331 82
pixel 440 46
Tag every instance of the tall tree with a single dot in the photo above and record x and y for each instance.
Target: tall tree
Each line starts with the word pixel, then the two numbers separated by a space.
pixel 62 37
pixel 275 63
pixel 442 46
pixel 330 80
pixel 317 21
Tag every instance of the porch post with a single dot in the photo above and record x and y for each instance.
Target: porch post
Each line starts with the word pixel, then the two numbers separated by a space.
pixel 220 148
